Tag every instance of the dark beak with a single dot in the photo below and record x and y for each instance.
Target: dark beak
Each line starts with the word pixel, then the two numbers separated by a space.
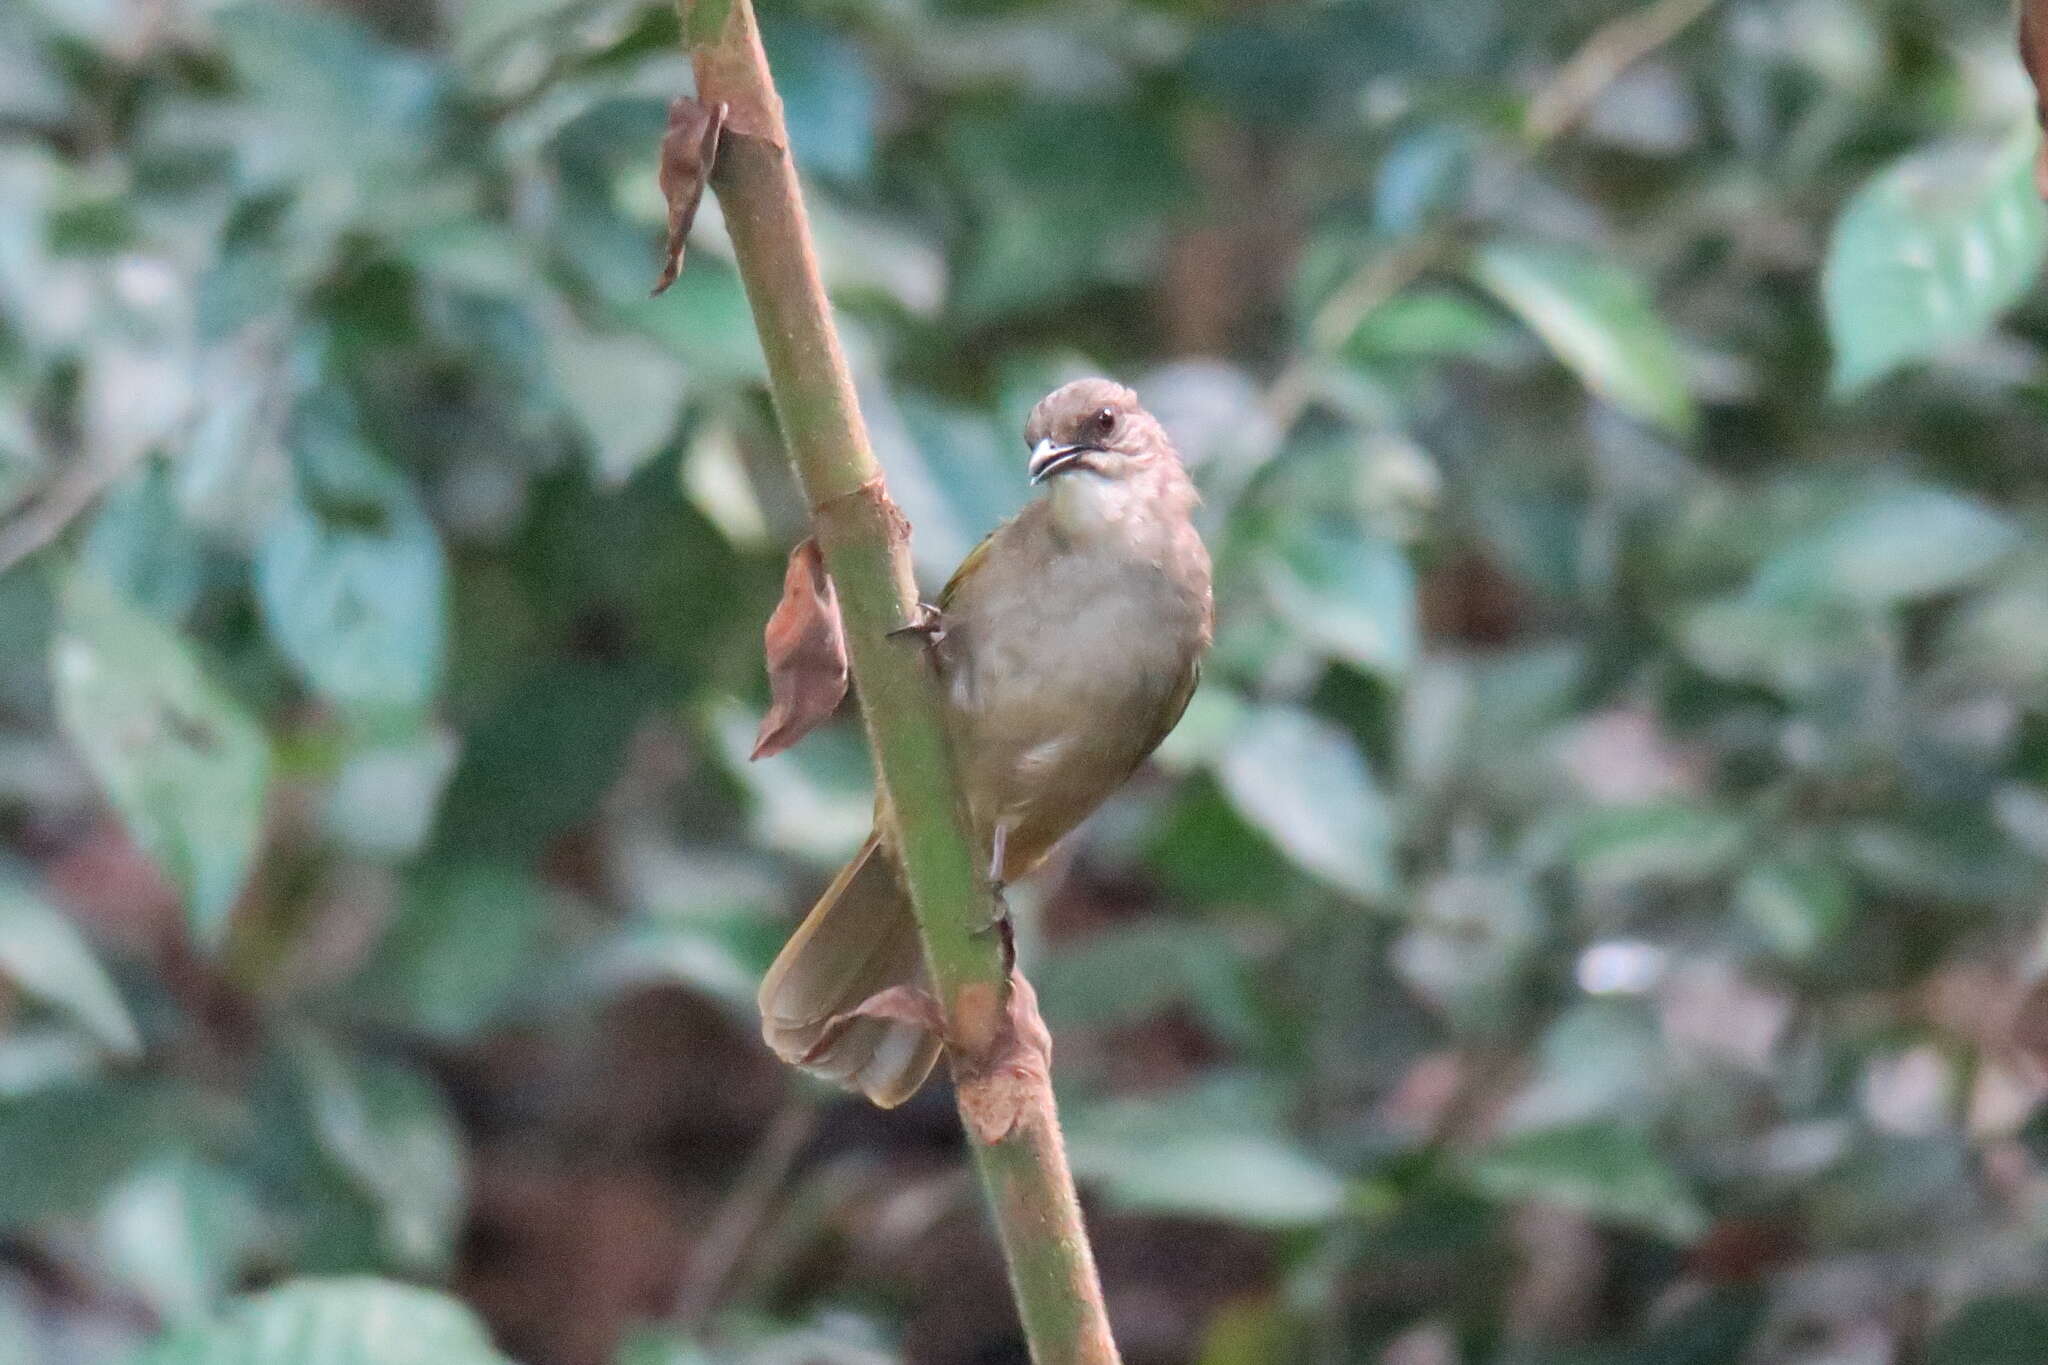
pixel 1048 459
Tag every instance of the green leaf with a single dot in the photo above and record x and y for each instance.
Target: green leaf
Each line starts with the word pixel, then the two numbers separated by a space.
pixel 866 254
pixel 480 26
pixel 1026 169
pixel 1248 1331
pixel 181 762
pixel 350 576
pixel 388 1128
pixel 703 319
pixel 1431 324
pixel 1351 593
pixel 2005 1330
pixel 624 392
pixel 335 98
pixel 1610 1172
pixel 386 792
pixel 948 468
pixel 1213 1150
pixel 1301 781
pixel 61 1148
pixel 841 1338
pixel 1712 1330
pixel 1470 934
pixel 23 1334
pixel 1800 649
pixel 1951 854
pixel 139 543
pixel 816 800
pixel 1888 1188
pixel 1899 543
pixel 541 760
pixel 1670 842
pixel 31 90
pixel 699 957
pixel 651 1345
pixel 1121 975
pixel 44 955
pixel 1796 903
pixel 1600 1060
pixel 1599 320
pixel 828 92
pixel 1255 1179
pixel 1929 253
pixel 340 1321
pixel 480 258
pixel 1998 636
pixel 177 1231
pixel 466 937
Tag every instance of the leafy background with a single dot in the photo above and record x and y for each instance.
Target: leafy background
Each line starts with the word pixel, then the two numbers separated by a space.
pixel 1590 916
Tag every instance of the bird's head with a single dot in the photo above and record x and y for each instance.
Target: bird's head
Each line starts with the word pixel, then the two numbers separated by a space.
pixel 1093 426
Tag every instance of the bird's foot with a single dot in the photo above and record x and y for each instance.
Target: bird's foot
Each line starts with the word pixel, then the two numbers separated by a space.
pixel 927 624
pixel 1000 924
pixel 1002 909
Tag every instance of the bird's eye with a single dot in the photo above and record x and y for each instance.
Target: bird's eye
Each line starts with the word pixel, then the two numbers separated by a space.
pixel 1104 420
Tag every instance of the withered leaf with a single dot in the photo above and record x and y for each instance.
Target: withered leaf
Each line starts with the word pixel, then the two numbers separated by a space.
pixel 689 149
pixel 806 649
pixel 999 1080
pixel 998 1089
pixel 2034 54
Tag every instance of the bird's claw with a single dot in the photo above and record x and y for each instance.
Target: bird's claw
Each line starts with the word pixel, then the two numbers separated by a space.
pixel 1001 924
pixel 927 624
pixel 1002 908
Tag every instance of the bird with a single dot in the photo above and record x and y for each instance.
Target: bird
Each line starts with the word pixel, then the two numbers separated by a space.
pixel 1067 645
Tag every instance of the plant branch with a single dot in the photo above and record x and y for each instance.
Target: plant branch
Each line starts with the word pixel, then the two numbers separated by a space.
pixel 865 542
pixel 1613 49
pixel 68 496
pixel 719 1251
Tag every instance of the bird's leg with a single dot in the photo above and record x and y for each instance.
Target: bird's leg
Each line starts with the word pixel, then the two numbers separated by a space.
pixel 999 843
pixel 926 623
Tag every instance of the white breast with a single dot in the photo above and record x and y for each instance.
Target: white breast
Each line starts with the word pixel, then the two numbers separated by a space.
pixel 1066 644
pixel 1058 676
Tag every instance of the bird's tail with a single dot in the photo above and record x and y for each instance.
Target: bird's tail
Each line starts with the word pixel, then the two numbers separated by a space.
pixel 860 938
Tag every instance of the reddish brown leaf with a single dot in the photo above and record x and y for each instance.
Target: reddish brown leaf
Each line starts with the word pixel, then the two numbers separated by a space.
pixel 1000 1081
pixel 2034 53
pixel 689 149
pixel 806 649
pixel 999 1089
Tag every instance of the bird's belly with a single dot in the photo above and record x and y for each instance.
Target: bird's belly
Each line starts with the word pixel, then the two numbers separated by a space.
pixel 1052 714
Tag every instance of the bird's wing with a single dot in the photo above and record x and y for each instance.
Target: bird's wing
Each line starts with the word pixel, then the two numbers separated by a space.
pixel 977 556
pixel 967 566
pixel 1176 707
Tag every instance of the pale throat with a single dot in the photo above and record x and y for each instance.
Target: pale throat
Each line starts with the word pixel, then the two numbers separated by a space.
pixel 1086 506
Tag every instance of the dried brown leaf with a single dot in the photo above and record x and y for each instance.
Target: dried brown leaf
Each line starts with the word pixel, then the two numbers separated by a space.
pixel 999 1083
pixel 999 1088
pixel 806 648
pixel 689 149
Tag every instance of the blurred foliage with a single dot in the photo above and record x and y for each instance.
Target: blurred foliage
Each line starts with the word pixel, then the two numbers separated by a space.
pixel 1591 915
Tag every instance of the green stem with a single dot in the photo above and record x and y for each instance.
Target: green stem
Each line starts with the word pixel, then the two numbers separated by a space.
pixel 866 545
